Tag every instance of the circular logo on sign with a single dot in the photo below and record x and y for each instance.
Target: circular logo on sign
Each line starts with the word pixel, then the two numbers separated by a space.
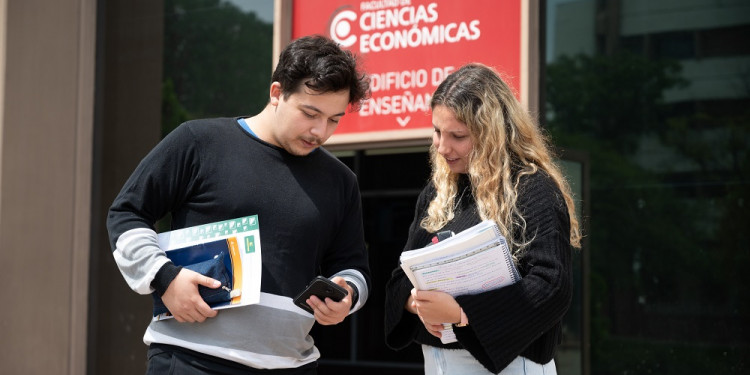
pixel 341 28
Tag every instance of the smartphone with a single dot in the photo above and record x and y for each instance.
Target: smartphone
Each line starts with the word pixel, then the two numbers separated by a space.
pixel 321 287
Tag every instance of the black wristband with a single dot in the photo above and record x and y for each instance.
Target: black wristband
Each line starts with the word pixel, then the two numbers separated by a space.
pixel 355 294
pixel 164 277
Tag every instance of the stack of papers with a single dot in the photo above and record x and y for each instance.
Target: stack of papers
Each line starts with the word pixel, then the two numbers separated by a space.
pixel 473 261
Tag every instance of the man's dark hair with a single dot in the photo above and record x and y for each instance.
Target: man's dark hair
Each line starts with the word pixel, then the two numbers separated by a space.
pixel 321 65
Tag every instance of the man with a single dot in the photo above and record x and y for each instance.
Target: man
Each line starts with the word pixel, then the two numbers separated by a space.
pixel 309 214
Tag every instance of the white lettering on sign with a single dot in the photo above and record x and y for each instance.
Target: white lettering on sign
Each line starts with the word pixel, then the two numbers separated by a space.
pixel 395 24
pixel 396 104
pixel 405 80
pixel 407 16
pixel 381 4
pixel 419 36
pixel 439 74
pixel 406 102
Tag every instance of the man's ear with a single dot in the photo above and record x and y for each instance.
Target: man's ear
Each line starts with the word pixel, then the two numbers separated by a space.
pixel 275 93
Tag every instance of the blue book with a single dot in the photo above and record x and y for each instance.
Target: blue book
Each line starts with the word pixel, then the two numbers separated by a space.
pixel 228 251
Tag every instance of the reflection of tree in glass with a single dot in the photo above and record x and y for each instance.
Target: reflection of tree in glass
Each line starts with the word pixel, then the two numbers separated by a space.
pixel 615 98
pixel 715 136
pixel 217 61
pixel 665 244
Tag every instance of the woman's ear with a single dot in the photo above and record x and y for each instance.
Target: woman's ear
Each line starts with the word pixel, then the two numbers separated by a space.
pixel 275 93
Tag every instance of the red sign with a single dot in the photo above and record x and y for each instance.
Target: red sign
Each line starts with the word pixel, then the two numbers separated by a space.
pixel 409 46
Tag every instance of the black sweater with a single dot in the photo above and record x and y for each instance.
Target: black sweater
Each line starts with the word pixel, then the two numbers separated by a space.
pixel 310 223
pixel 520 319
pixel 211 170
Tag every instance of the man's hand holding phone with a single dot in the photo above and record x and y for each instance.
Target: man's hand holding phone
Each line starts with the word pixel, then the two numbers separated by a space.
pixel 328 300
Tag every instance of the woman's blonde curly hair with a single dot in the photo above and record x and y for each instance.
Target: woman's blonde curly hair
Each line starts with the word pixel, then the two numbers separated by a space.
pixel 507 144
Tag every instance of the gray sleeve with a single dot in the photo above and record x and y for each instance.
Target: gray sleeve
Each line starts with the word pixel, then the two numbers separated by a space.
pixel 139 257
pixel 355 277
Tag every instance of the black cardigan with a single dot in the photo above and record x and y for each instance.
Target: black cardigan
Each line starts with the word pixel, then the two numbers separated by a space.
pixel 520 319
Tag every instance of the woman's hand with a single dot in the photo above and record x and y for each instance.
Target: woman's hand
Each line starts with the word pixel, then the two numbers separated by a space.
pixel 410 305
pixel 434 309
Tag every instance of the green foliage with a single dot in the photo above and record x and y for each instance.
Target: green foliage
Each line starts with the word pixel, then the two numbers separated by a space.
pixel 217 61
pixel 716 140
pixel 609 98
pixel 172 112
pixel 667 243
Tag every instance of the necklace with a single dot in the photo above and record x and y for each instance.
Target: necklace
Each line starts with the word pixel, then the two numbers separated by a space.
pixel 457 203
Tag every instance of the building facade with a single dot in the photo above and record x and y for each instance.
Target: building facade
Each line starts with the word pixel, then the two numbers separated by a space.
pixel 647 103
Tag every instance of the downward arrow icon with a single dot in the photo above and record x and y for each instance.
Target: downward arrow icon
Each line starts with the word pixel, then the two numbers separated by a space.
pixel 403 121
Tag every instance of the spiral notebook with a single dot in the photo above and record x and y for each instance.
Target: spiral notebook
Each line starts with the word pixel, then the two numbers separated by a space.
pixel 473 261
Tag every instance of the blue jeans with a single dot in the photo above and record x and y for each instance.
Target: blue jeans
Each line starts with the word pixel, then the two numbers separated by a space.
pixel 172 360
pixel 438 361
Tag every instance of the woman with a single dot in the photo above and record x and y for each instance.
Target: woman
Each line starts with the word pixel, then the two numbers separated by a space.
pixel 490 161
